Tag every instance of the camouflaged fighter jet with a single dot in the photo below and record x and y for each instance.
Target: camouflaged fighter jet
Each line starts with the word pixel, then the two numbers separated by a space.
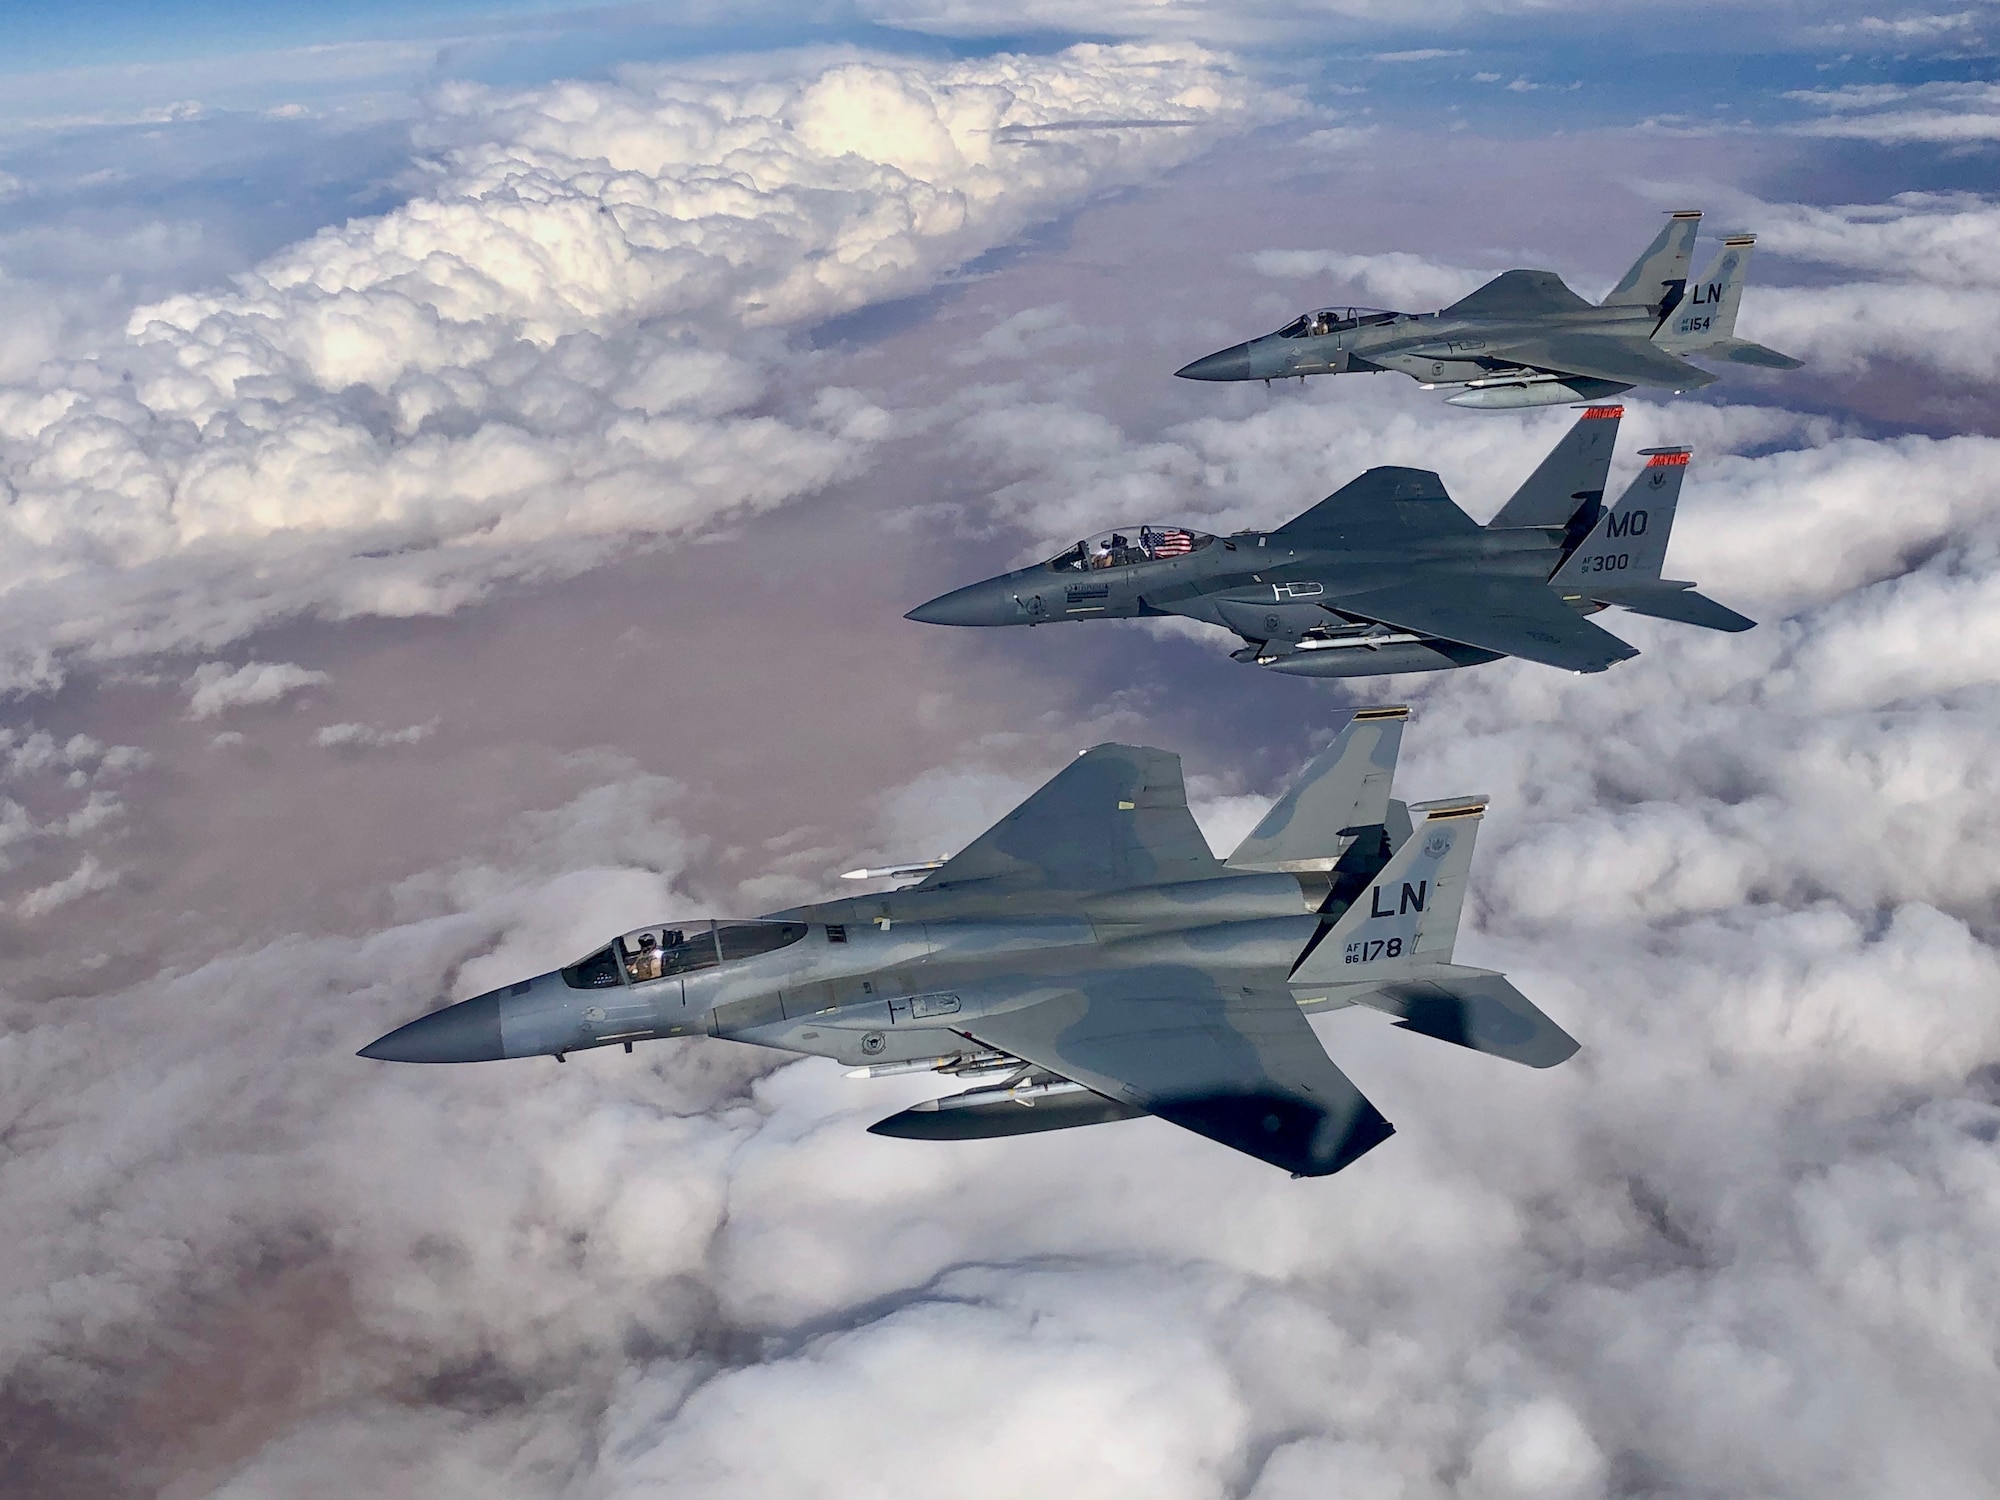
pixel 1526 339
pixel 1087 959
pixel 1388 575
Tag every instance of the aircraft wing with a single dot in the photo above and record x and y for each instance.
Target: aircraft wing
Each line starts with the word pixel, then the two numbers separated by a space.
pixel 1518 294
pixel 1223 1053
pixel 1410 503
pixel 1115 816
pixel 1517 616
pixel 1605 356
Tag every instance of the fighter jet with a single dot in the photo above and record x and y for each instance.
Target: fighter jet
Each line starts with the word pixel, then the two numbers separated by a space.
pixel 1525 339
pixel 1086 959
pixel 1388 575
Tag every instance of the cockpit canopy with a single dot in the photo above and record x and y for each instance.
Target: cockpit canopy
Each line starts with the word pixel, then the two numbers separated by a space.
pixel 678 948
pixel 1128 545
pixel 1327 320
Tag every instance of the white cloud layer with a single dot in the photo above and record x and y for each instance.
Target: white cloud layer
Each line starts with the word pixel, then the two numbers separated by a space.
pixel 216 687
pixel 577 335
pixel 1740 1245
pixel 1939 113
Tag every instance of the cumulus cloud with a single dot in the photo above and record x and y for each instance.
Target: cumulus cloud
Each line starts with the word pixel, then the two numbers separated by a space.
pixel 216 687
pixel 1740 1244
pixel 577 335
pixel 369 737
pixel 1933 298
pixel 1396 278
pixel 88 877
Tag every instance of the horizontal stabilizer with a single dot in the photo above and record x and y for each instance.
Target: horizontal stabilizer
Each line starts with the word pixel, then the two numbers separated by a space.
pixel 1517 294
pixel 1475 1008
pixel 1343 790
pixel 1744 352
pixel 1669 602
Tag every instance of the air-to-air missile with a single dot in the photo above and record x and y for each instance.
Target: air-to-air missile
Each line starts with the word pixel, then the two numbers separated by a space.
pixel 1087 959
pixel 1388 575
pixel 1526 339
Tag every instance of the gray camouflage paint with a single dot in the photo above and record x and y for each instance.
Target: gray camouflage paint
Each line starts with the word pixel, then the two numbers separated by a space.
pixel 1092 953
pixel 1389 575
pixel 1526 339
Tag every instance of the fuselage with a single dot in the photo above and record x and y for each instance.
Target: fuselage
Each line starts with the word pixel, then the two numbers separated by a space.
pixel 879 979
pixel 1264 586
pixel 1436 349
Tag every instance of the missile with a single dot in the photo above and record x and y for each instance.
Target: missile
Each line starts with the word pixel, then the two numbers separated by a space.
pixel 959 1063
pixel 894 872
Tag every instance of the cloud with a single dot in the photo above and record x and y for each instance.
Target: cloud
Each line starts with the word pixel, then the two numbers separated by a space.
pixel 1032 331
pixel 1950 239
pixel 1399 279
pixel 1934 299
pixel 216 687
pixel 577 337
pixel 368 737
pixel 87 878
pixel 1943 113
pixel 1740 1244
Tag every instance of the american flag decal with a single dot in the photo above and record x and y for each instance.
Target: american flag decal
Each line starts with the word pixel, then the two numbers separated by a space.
pixel 1168 542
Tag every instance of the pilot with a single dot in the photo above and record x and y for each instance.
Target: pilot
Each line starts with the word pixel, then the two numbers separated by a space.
pixel 1105 558
pixel 647 964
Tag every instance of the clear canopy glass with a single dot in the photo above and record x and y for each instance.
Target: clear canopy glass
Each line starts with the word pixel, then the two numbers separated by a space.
pixel 1127 545
pixel 673 948
pixel 1325 320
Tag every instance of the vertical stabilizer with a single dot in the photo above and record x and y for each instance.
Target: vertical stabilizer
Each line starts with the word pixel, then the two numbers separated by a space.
pixel 1629 543
pixel 1406 921
pixel 1707 315
pixel 1344 790
pixel 1571 477
pixel 1658 278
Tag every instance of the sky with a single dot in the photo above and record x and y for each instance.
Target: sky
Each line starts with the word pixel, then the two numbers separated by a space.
pixel 462 471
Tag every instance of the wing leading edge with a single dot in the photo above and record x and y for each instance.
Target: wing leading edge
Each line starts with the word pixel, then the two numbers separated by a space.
pixel 1115 816
pixel 1229 1057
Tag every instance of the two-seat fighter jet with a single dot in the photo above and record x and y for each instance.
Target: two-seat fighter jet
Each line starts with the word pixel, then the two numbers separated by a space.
pixel 1388 575
pixel 1526 339
pixel 1087 959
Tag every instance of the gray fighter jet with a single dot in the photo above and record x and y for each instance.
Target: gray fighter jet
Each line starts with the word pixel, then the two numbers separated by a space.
pixel 1388 575
pixel 1087 959
pixel 1526 339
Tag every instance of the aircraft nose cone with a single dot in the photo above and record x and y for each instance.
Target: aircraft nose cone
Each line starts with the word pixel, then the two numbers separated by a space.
pixel 466 1032
pixel 1224 364
pixel 976 604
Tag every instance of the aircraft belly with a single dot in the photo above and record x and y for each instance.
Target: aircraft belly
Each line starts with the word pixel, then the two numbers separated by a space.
pixel 1440 369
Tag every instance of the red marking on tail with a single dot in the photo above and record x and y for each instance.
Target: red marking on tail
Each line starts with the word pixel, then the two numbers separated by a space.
pixel 1598 413
pixel 1665 460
